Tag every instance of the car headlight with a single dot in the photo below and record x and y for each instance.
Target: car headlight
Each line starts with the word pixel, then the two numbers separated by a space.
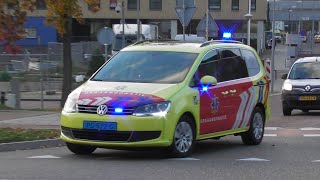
pixel 71 104
pixel 287 87
pixel 156 109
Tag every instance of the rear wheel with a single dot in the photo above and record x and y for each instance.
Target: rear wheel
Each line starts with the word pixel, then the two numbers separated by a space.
pixel 255 133
pixel 184 138
pixel 80 149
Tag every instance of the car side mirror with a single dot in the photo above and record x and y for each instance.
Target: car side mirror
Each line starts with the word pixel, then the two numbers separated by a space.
pixel 208 81
pixel 284 76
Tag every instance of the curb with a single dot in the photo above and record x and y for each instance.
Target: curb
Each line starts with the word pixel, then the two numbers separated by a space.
pixel 27 145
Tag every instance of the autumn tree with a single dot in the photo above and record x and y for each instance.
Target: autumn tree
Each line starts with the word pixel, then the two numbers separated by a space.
pixel 60 14
pixel 13 14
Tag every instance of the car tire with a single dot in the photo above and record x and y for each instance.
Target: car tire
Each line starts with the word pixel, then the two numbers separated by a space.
pixel 255 133
pixel 286 111
pixel 80 149
pixel 183 138
pixel 305 110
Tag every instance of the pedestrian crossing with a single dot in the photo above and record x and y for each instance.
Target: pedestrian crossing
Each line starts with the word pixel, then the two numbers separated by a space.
pixel 291 132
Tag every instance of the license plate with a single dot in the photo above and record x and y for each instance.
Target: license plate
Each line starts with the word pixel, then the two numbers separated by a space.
pixel 308 98
pixel 107 126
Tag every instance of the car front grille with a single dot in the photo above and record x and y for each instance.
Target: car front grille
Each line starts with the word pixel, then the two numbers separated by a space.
pixel 111 136
pixel 111 110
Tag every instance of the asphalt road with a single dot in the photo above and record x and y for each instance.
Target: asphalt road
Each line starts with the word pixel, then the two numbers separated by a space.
pixel 287 152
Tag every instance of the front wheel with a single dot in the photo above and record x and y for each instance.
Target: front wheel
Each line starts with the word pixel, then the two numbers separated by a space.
pixel 80 149
pixel 184 138
pixel 255 133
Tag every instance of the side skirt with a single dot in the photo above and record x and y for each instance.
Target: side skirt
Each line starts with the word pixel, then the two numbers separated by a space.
pixel 222 133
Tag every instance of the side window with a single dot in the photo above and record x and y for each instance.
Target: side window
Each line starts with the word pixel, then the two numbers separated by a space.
pixel 208 66
pixel 231 65
pixel 251 62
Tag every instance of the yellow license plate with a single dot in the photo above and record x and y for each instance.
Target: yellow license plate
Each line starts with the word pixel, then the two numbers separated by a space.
pixel 308 98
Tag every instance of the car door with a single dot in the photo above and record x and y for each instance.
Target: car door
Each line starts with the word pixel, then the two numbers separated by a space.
pixel 237 93
pixel 212 112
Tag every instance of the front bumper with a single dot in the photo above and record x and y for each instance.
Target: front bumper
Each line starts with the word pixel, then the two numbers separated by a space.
pixel 293 101
pixel 131 131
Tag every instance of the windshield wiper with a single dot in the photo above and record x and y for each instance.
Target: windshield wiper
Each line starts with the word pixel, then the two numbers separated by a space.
pixel 96 80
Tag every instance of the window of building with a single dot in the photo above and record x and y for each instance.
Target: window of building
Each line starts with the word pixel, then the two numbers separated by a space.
pixel 155 4
pixel 92 6
pixel 232 66
pixel 41 4
pixel 113 4
pixel 11 5
pixel 132 4
pixel 235 5
pixel 251 62
pixel 214 4
pixel 253 5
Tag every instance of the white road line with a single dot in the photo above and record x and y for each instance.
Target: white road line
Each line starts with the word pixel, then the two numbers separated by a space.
pixel 254 159
pixel 311 135
pixel 310 129
pixel 271 128
pixel 275 94
pixel 270 135
pixel 44 157
pixel 184 159
pixel 316 161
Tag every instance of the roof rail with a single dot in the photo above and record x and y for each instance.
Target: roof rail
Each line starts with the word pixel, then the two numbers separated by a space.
pixel 219 41
pixel 154 40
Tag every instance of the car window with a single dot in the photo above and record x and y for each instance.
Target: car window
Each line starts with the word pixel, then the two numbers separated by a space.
pixel 251 62
pixel 232 66
pixel 308 70
pixel 208 66
pixel 147 67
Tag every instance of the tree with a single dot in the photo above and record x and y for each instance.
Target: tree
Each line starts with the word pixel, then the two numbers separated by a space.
pixel 60 14
pixel 97 60
pixel 13 14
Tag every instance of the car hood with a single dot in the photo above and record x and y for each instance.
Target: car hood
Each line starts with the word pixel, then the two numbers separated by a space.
pixel 96 93
pixel 304 82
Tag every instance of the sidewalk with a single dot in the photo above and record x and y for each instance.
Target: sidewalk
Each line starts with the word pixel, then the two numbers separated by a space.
pixel 29 119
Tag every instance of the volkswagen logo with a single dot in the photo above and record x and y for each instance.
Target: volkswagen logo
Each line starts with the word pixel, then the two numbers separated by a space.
pixel 102 110
pixel 307 88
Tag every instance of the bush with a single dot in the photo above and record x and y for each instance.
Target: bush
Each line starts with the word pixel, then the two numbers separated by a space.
pixel 5 76
pixel 97 60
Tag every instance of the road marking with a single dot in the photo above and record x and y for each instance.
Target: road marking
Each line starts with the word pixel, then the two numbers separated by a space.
pixel 311 135
pixel 44 157
pixel 310 129
pixel 254 159
pixel 270 135
pixel 316 161
pixel 271 128
pixel 275 94
pixel 184 159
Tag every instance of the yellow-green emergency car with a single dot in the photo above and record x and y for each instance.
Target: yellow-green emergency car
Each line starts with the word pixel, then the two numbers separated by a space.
pixel 169 94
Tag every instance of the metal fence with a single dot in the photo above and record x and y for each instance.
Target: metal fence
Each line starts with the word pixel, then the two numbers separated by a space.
pixel 40 76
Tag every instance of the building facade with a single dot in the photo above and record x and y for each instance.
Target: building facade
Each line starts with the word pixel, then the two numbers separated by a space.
pixel 227 14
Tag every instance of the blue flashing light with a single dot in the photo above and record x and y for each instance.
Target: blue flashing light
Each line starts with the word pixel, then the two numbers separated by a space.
pixel 204 88
pixel 227 35
pixel 118 110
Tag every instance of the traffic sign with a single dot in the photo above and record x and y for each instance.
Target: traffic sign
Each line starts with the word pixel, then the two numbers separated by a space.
pixel 185 10
pixel 212 27
pixel 105 36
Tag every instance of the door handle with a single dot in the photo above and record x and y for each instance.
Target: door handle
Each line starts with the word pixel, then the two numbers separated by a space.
pixel 225 93
pixel 233 91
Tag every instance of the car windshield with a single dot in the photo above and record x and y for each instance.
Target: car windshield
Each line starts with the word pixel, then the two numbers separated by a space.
pixel 308 70
pixel 147 67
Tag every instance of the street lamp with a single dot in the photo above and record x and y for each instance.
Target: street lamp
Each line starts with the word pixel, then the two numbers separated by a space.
pixel 290 10
pixel 118 9
pixel 273 47
pixel 249 16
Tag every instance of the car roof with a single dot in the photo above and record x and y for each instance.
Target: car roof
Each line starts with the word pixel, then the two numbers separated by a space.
pixel 308 59
pixel 178 46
